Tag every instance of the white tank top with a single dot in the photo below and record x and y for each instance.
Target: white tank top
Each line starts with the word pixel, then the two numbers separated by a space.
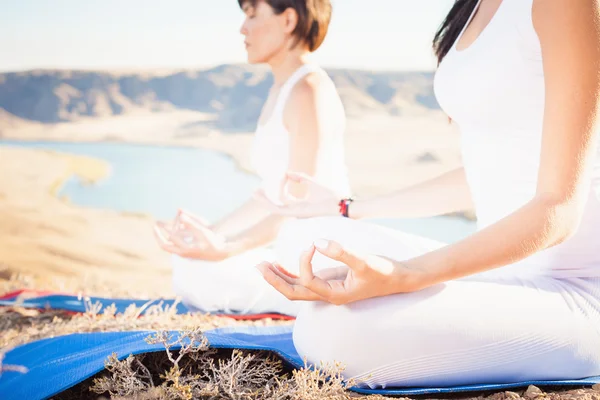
pixel 271 148
pixel 494 90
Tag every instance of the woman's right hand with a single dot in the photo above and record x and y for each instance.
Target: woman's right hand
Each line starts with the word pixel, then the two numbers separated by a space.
pixel 190 238
pixel 319 200
pixel 197 219
pixel 162 230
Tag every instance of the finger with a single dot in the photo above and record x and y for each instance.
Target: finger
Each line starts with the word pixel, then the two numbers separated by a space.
pixel 165 226
pixel 292 292
pixel 174 250
pixel 159 235
pixel 189 222
pixel 285 195
pixel 298 177
pixel 306 271
pixel 165 244
pixel 179 240
pixel 285 271
pixel 310 182
pixel 201 233
pixel 196 218
pixel 308 278
pixel 284 275
pixel 336 273
pixel 337 252
pixel 201 236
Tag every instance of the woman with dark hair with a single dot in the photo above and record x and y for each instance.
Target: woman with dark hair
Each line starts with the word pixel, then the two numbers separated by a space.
pixel 520 298
pixel 301 128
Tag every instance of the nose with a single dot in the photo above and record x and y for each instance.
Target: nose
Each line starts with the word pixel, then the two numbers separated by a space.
pixel 244 28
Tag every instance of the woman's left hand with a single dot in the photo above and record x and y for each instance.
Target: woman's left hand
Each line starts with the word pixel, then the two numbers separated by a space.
pixel 361 278
pixel 190 239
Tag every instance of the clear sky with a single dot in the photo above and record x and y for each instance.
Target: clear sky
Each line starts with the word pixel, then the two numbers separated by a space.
pixel 117 34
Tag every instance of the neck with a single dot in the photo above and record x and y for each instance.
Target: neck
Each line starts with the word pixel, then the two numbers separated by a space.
pixel 283 65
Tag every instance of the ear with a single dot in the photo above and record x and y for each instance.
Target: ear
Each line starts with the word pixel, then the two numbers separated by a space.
pixel 290 17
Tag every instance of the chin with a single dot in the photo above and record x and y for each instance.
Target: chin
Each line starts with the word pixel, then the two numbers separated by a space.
pixel 252 59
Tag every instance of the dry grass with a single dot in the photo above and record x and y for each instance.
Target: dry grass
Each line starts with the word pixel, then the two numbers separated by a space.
pixel 19 326
pixel 196 371
pixel 199 372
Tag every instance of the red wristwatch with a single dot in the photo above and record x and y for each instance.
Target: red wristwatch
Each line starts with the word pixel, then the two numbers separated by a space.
pixel 344 205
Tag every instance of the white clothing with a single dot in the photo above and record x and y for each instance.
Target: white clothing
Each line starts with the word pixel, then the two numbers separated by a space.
pixel 234 285
pixel 535 319
pixel 271 148
pixel 468 331
pixel 494 90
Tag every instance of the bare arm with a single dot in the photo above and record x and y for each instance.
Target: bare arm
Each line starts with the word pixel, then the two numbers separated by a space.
pixel 305 119
pixel 444 194
pixel 569 33
pixel 248 214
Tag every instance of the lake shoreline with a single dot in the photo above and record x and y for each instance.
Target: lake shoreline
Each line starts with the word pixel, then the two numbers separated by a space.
pixel 56 240
pixel 239 162
pixel 52 244
pixel 383 153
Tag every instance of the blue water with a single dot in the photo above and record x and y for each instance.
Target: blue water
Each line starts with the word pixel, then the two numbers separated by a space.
pixel 157 180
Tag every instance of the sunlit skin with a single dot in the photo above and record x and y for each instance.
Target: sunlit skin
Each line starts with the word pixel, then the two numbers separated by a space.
pixel 312 109
pixel 569 34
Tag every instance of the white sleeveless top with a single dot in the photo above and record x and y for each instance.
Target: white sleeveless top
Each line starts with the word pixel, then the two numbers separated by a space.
pixel 494 90
pixel 271 147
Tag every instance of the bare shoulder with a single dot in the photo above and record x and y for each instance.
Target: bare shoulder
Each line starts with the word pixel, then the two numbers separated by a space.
pixel 314 98
pixel 569 35
pixel 308 90
pixel 566 18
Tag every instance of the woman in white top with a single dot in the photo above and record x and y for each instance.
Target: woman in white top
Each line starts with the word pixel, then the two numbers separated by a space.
pixel 519 299
pixel 301 128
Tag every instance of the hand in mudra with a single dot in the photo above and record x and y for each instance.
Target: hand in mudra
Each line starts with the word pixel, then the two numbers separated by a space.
pixel 318 201
pixel 190 236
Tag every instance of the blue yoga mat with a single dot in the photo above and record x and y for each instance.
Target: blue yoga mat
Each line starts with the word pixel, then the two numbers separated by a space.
pixel 59 363
pixel 80 305
pixel 76 304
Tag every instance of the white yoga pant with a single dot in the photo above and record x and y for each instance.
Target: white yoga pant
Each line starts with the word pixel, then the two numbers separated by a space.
pixel 462 332
pixel 230 286
pixel 234 285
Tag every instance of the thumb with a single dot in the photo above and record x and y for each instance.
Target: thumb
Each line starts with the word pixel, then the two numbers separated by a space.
pixel 313 186
pixel 297 177
pixel 193 216
pixel 337 252
pixel 188 222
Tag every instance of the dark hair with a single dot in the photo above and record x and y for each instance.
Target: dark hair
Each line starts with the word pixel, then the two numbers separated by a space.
pixel 454 23
pixel 313 18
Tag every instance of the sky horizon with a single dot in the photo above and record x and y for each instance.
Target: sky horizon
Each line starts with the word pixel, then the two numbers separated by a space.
pixel 388 35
